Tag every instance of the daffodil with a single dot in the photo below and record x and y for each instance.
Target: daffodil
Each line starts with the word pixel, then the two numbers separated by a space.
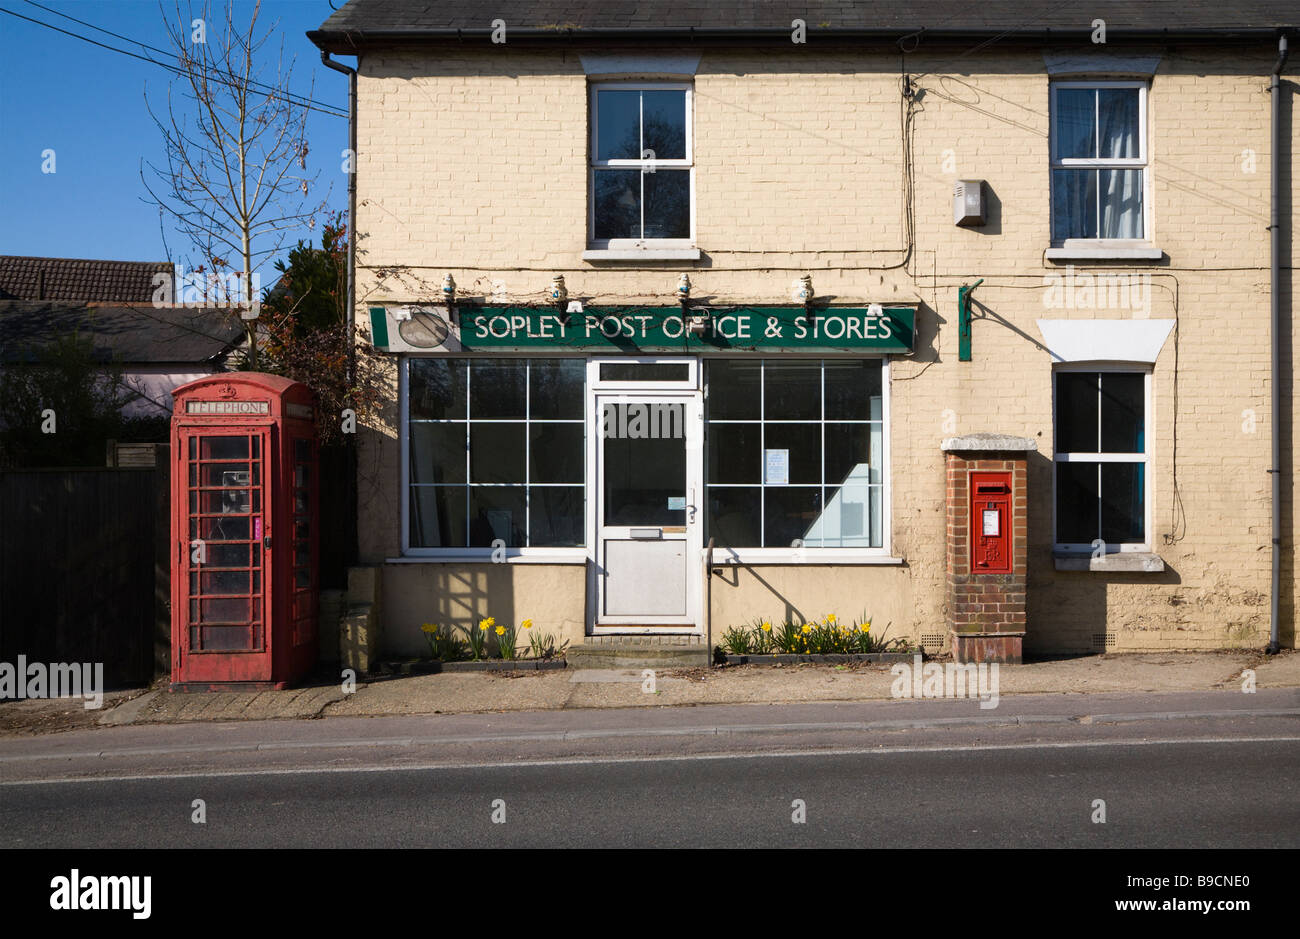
pixel 830 618
pixel 767 627
pixel 429 628
pixel 486 624
pixel 807 628
pixel 501 630
pixel 527 624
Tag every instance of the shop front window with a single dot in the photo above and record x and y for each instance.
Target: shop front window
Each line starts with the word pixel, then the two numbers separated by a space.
pixel 794 453
pixel 496 452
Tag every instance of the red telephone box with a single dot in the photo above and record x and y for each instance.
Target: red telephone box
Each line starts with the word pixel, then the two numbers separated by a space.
pixel 990 523
pixel 245 533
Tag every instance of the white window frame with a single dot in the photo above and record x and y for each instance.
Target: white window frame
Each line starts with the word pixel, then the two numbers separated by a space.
pixel 1141 162
pixel 546 555
pixel 1145 458
pixel 690 383
pixel 817 555
pixel 688 163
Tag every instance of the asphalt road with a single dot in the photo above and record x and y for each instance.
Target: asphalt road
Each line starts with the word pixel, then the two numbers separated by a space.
pixel 1156 795
pixel 1211 772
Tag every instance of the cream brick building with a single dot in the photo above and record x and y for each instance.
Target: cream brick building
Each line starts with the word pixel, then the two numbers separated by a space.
pixel 1123 268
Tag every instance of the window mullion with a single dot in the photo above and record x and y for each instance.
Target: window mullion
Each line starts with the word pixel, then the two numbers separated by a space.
pixel 469 443
pixel 762 453
pixel 528 451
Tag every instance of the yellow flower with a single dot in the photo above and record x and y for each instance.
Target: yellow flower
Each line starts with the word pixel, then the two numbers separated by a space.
pixel 831 619
pixel 527 624
pixel 501 630
pixel 807 628
pixel 486 624
pixel 430 629
pixel 767 627
pixel 866 627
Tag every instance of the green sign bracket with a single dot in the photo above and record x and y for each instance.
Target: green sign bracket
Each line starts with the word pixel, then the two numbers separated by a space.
pixel 964 320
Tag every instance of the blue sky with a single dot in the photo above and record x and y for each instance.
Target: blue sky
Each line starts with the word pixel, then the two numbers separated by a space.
pixel 87 104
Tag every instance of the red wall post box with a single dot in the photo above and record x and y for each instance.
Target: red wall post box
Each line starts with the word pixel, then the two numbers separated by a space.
pixel 245 533
pixel 990 523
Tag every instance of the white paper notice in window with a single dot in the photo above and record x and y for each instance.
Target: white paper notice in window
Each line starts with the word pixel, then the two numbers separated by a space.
pixel 991 522
pixel 776 467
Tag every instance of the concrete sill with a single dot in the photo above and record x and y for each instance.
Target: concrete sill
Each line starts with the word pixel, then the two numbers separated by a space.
pixel 641 254
pixel 1142 562
pixel 1105 253
pixel 487 559
pixel 814 557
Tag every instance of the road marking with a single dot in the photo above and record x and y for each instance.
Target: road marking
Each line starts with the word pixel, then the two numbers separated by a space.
pixel 690 758
pixel 709 730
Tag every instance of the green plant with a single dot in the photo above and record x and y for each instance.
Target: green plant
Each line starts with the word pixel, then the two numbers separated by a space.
pixel 477 638
pixel 737 641
pixel 542 645
pixel 506 640
pixel 444 644
pixel 867 642
pixel 788 638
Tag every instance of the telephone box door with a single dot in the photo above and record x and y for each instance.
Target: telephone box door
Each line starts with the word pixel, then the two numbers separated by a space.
pixel 224 554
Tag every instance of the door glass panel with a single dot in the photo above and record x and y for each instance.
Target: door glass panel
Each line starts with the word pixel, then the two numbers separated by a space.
pixel 645 475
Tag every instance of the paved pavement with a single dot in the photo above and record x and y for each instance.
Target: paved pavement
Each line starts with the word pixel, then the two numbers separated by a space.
pixel 475 692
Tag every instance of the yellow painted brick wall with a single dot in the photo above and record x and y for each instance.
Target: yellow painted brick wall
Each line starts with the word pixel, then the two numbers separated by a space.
pixel 475 163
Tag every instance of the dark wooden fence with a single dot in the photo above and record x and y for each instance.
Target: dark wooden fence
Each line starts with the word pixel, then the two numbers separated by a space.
pixel 84 569
pixel 85 562
pixel 338 515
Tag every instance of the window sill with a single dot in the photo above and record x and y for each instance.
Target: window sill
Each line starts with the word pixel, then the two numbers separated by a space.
pixel 641 254
pixel 563 557
pixel 1105 252
pixel 825 557
pixel 1142 562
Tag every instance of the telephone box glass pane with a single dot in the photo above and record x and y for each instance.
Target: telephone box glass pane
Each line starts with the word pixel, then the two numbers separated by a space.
pixel 224 448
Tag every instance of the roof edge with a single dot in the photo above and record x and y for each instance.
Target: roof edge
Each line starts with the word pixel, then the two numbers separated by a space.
pixel 348 41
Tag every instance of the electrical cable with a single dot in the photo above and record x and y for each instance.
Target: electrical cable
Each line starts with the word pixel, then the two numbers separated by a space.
pixel 173 68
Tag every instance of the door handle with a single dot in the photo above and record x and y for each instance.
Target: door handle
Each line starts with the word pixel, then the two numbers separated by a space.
pixel 266 542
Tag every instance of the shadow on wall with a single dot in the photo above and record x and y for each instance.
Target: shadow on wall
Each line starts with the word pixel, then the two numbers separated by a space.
pixel 1070 611
pixel 447 596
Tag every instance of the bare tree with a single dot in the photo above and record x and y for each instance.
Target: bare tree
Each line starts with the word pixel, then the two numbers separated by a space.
pixel 234 180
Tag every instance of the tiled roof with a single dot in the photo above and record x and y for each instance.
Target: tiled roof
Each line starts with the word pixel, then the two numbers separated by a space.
pixel 128 333
pixel 362 21
pixel 24 278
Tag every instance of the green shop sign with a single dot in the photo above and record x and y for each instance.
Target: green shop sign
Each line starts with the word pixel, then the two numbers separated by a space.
pixel 649 329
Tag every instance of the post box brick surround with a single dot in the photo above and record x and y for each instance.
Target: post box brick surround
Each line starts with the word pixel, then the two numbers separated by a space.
pixel 986 612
